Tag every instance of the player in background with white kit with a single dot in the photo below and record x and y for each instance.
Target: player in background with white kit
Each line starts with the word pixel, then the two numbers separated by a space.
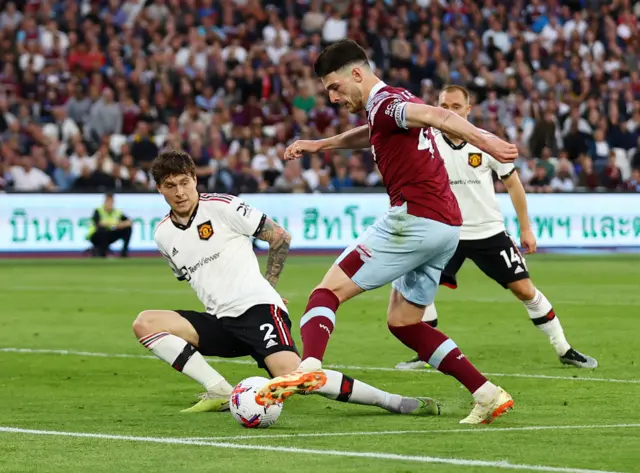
pixel 206 240
pixel 483 236
pixel 410 244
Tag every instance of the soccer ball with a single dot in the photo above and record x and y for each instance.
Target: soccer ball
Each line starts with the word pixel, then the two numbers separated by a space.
pixel 246 410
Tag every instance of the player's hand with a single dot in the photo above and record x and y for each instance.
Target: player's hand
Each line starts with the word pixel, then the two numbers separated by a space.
pixel 286 301
pixel 298 148
pixel 501 150
pixel 528 241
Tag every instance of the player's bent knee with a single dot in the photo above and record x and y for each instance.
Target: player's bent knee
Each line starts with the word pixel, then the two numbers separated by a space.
pixel 523 289
pixel 143 325
pixel 402 312
pixel 283 362
pixel 152 321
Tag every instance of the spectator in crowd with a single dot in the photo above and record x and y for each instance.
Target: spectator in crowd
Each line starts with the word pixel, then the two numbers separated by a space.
pixel 291 177
pixel 312 175
pixel 564 180
pixel 540 182
pixel 341 180
pixel 63 176
pixel 78 106
pixel 634 183
pixel 547 161
pixel 600 149
pixel 612 177
pixel 105 117
pixel 27 178
pixel 587 178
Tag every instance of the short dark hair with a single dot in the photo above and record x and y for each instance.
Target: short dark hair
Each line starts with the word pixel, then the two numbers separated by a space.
pixel 172 163
pixel 456 88
pixel 338 55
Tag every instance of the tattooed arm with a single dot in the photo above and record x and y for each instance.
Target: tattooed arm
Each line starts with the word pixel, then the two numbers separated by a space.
pixel 279 241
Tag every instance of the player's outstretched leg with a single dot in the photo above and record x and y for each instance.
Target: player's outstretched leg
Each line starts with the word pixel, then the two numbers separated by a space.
pixel 343 388
pixel 404 319
pixel 430 316
pixel 340 387
pixel 544 317
pixel 174 340
pixel 316 326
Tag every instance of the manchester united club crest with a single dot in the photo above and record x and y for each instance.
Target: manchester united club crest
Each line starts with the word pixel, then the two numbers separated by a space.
pixel 205 230
pixel 475 160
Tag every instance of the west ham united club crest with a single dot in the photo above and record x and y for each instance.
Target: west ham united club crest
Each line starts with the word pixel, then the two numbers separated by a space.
pixel 475 160
pixel 205 230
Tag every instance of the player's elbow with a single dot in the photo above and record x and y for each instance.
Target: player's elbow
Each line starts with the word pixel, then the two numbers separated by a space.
pixel 283 239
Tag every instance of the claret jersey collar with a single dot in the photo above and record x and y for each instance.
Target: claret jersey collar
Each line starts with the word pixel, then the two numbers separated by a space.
pixel 374 90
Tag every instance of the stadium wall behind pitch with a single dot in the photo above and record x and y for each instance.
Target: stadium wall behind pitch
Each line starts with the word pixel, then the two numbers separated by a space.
pixel 562 222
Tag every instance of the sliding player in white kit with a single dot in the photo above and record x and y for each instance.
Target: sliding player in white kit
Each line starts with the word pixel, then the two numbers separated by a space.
pixel 483 236
pixel 206 240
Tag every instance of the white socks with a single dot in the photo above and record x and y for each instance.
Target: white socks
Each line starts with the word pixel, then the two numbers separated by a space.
pixel 485 393
pixel 430 315
pixel 185 358
pixel 543 316
pixel 341 387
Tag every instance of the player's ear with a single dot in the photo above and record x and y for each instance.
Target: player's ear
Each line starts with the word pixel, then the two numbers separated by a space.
pixel 356 74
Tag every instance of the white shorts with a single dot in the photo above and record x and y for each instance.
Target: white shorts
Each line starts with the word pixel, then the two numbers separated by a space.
pixel 406 250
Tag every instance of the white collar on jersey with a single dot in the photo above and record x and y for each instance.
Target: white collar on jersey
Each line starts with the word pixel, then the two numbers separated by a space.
pixel 374 90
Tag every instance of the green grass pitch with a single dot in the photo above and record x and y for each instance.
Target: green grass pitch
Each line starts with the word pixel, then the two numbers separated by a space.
pixel 565 420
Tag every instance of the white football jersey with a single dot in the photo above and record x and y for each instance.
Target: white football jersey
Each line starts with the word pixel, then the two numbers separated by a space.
pixel 470 175
pixel 214 253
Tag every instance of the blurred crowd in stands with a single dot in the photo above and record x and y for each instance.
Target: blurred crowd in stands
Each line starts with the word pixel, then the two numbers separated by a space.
pixel 92 90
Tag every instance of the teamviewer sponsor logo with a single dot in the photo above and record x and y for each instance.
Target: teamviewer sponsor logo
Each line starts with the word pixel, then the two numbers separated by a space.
pixel 204 260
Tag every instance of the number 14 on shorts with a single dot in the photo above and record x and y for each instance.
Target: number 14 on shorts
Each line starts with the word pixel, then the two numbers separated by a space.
pixel 512 257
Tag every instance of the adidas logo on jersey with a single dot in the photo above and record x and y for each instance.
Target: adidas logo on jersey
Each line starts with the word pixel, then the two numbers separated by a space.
pixel 518 270
pixel 174 252
pixel 271 343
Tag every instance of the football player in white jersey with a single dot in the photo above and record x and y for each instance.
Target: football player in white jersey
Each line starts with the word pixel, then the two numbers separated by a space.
pixel 483 237
pixel 206 240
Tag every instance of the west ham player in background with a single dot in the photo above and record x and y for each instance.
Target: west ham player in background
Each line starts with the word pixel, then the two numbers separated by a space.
pixel 483 236
pixel 410 244
pixel 206 240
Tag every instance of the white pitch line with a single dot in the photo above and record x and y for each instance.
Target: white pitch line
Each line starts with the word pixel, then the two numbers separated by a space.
pixel 411 432
pixel 337 453
pixel 39 351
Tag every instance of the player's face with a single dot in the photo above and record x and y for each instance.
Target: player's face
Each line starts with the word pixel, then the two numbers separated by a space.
pixel 454 100
pixel 180 193
pixel 344 90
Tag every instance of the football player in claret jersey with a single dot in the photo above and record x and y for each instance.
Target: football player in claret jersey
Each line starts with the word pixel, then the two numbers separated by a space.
pixel 483 236
pixel 206 240
pixel 410 244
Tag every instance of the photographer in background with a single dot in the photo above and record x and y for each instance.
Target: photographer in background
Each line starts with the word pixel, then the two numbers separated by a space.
pixel 109 226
